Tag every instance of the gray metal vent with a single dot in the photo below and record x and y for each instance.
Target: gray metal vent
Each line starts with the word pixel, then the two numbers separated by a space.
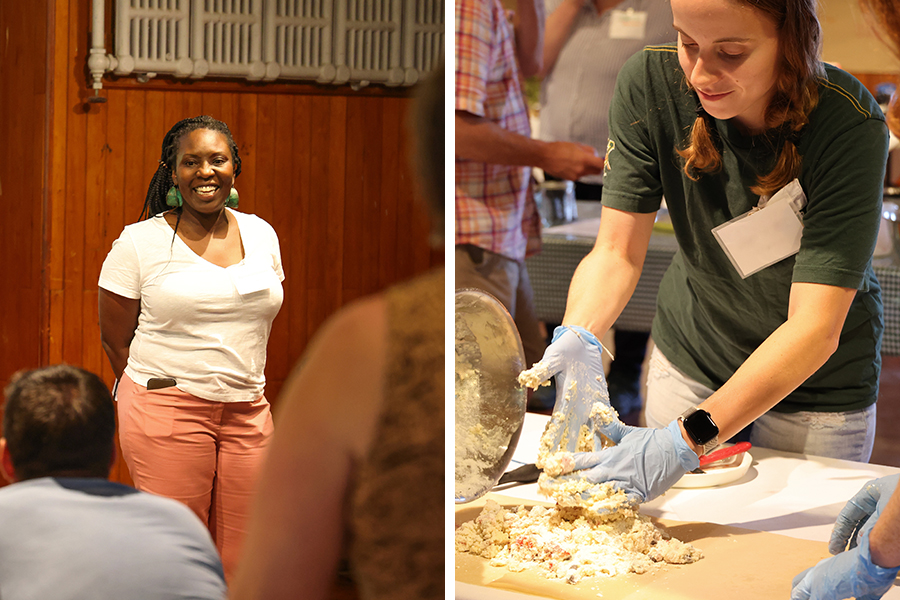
pixel 337 41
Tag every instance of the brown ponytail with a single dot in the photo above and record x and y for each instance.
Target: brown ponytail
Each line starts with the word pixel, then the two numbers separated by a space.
pixel 702 154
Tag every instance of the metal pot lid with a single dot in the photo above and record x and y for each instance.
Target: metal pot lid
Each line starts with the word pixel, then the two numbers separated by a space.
pixel 490 403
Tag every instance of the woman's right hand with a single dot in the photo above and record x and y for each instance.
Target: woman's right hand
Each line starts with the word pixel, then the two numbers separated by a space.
pixel 574 358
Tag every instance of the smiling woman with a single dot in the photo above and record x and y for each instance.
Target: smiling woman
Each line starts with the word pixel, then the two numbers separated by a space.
pixel 759 150
pixel 187 299
pixel 756 64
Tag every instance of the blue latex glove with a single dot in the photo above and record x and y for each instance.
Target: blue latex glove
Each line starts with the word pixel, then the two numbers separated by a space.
pixel 644 463
pixel 574 358
pixel 854 518
pixel 851 573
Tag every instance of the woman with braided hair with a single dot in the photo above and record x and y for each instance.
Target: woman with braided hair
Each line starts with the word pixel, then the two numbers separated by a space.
pixel 772 165
pixel 187 299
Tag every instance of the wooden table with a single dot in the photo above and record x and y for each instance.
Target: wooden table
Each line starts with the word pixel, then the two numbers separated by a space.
pixel 792 495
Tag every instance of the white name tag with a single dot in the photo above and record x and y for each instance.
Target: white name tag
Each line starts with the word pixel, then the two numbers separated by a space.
pixel 627 24
pixel 252 277
pixel 767 234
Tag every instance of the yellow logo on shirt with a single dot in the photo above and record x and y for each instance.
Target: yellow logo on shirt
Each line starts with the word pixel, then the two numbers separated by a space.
pixel 610 146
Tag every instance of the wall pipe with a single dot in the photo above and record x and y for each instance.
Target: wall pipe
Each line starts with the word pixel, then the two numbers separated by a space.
pixel 99 62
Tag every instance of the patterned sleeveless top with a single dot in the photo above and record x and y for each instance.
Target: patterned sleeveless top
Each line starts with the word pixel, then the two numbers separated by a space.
pixel 397 502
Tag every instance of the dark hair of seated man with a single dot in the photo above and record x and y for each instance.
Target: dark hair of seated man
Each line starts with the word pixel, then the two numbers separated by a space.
pixel 58 421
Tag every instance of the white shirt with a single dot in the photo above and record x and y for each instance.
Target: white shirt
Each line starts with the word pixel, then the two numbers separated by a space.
pixel 576 94
pixel 203 325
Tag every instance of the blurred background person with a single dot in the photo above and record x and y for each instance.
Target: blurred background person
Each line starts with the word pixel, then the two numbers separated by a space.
pixel 66 531
pixel 360 451
pixel 497 222
pixel 586 42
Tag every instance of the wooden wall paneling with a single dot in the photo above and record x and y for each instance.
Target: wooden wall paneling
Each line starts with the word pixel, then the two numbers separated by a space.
pixel 193 104
pixel 355 196
pixel 54 217
pixel 266 123
pixel 391 168
pixel 119 212
pixel 114 185
pixel 263 191
pixel 244 132
pixel 96 188
pixel 211 105
pixel 114 218
pixel 316 241
pixel 74 202
pixel 321 182
pixel 156 124
pixel 23 69
pixel 92 358
pixel 333 197
pixel 140 158
pixel 413 255
pixel 283 199
pixel 297 243
pixel 174 110
pixel 373 171
pixel 227 110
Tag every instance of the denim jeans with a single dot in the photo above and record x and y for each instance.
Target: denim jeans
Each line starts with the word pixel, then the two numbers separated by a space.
pixel 847 435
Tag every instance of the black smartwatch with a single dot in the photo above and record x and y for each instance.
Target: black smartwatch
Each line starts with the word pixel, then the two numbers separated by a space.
pixel 701 428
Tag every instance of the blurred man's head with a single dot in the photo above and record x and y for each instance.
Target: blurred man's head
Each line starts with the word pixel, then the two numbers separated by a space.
pixel 58 421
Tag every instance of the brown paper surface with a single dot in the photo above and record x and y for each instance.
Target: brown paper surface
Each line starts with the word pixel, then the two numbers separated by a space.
pixel 737 564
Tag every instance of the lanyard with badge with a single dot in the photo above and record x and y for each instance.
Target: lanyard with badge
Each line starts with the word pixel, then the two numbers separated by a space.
pixel 628 24
pixel 767 234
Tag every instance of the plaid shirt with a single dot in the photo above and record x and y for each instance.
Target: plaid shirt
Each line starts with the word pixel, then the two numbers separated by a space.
pixel 495 209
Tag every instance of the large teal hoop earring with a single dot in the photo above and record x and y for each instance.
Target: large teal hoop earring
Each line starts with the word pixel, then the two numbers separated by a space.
pixel 173 197
pixel 233 199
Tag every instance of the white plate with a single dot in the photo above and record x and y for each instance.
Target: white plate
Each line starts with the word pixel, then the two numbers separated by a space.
pixel 715 477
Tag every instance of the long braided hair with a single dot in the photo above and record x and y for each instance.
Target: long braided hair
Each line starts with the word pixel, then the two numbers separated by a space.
pixel 161 182
pixel 796 95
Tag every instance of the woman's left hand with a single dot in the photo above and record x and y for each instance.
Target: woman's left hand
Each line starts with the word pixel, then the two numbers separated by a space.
pixel 644 463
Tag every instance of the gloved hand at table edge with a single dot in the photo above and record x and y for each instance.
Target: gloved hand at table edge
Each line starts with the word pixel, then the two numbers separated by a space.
pixel 856 515
pixel 574 358
pixel 851 572
pixel 644 463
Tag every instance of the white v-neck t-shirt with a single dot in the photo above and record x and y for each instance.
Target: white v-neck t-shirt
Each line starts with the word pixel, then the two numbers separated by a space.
pixel 204 325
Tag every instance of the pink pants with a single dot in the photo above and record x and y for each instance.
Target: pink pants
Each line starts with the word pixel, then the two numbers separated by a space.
pixel 205 454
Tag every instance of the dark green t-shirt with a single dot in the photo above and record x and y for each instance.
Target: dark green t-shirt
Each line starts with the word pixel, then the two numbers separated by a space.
pixel 708 319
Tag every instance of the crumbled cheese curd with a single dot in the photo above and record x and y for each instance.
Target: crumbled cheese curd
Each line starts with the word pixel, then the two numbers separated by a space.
pixel 569 543
pixel 558 463
pixel 602 498
pixel 603 414
pixel 538 375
